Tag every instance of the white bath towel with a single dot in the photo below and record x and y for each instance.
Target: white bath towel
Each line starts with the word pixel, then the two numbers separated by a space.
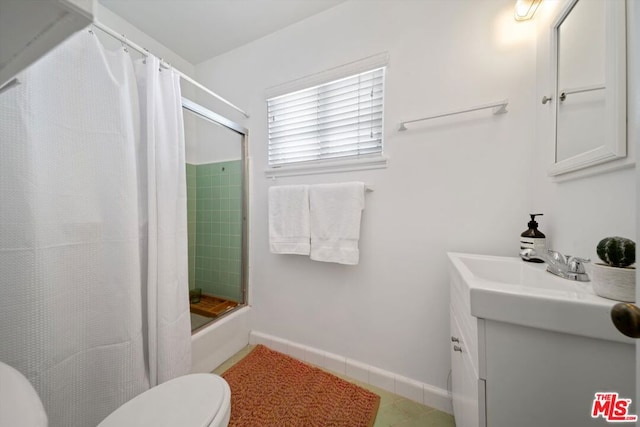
pixel 336 210
pixel 289 219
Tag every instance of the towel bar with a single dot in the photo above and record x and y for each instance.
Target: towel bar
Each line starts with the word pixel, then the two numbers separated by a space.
pixel 498 108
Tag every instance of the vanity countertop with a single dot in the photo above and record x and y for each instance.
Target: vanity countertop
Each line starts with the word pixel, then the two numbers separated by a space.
pixel 507 289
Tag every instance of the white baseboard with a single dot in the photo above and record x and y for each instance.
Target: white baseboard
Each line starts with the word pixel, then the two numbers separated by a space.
pixel 411 389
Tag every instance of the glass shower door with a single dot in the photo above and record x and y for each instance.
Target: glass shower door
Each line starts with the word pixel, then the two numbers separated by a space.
pixel 215 204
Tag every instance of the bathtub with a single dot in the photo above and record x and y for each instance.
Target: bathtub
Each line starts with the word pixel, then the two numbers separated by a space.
pixel 215 343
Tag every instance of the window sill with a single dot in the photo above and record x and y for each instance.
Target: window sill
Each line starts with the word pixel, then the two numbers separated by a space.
pixel 325 167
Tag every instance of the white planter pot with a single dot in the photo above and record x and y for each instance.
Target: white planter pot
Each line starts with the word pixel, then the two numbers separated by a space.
pixel 613 282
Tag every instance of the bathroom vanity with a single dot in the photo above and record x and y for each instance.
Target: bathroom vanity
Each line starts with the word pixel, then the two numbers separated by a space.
pixel 529 348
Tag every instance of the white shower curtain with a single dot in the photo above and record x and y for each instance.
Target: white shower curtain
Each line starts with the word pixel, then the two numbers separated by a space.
pixel 93 242
pixel 163 134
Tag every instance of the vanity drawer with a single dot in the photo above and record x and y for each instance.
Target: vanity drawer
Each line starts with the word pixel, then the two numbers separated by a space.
pixel 467 333
pixel 468 324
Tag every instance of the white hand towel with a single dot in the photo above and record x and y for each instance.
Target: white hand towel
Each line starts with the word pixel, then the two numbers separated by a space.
pixel 336 210
pixel 289 219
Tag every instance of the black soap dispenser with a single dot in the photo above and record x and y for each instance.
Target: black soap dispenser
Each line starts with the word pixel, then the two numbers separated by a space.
pixel 532 238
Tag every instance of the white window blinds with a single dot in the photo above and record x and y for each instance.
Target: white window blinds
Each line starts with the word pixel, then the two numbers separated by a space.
pixel 336 120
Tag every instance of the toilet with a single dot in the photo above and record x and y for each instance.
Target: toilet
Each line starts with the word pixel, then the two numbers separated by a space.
pixel 195 400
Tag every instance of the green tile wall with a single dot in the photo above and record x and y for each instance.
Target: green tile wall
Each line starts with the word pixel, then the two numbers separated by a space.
pixel 215 236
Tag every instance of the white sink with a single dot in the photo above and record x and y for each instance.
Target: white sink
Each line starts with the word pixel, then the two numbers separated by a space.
pixel 507 289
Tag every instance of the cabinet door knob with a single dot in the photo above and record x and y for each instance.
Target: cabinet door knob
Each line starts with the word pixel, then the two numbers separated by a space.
pixel 455 339
pixel 457 348
pixel 626 318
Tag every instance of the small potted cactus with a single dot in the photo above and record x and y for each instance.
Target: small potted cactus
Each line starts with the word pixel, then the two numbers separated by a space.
pixel 615 278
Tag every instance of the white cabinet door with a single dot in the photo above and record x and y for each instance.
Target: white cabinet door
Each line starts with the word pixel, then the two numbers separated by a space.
pixel 546 378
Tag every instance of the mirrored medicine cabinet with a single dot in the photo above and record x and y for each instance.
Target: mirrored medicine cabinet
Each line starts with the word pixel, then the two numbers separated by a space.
pixel 588 66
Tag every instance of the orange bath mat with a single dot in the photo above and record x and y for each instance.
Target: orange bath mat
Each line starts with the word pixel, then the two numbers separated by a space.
pixel 272 389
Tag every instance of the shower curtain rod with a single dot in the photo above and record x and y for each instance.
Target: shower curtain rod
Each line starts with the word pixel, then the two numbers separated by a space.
pixel 165 64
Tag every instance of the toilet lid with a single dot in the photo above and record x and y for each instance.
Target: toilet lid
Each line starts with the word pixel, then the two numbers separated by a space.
pixel 189 401
pixel 19 402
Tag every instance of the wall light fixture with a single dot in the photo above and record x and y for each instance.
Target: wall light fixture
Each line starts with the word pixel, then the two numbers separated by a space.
pixel 525 9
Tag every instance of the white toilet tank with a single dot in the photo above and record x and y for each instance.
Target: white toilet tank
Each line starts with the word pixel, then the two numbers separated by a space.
pixel 20 405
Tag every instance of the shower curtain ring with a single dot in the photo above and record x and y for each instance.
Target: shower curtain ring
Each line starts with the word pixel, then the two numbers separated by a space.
pixel 124 43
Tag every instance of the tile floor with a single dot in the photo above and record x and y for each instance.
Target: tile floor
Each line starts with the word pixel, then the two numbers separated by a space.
pixel 394 410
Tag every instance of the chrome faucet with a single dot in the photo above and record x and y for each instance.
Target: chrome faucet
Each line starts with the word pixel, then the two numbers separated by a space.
pixel 567 267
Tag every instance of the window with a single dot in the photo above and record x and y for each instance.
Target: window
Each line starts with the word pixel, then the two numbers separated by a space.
pixel 333 121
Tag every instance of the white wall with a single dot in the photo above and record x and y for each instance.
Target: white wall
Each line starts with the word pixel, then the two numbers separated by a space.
pixel 580 212
pixel 456 184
